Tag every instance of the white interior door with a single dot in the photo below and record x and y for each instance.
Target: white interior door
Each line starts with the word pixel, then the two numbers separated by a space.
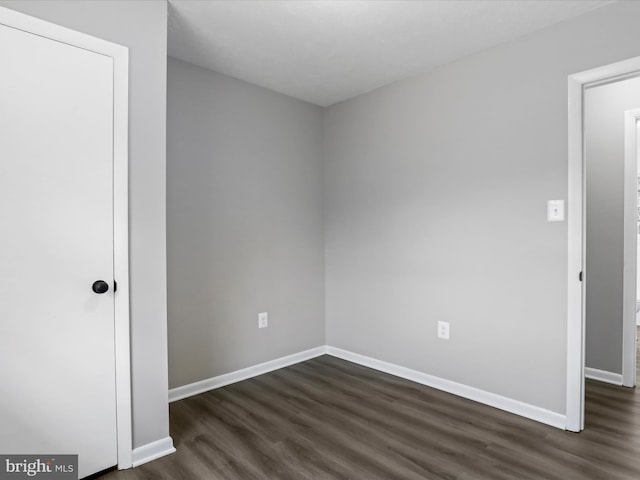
pixel 57 363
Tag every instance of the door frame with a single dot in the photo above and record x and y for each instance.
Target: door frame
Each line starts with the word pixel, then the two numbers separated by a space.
pixel 630 242
pixel 575 225
pixel 120 57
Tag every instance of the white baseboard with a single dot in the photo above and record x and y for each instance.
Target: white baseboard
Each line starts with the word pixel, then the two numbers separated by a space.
pixel 603 376
pixel 212 383
pixel 152 450
pixel 498 401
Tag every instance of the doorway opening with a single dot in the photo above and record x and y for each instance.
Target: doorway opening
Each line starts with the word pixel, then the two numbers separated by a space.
pixel 580 85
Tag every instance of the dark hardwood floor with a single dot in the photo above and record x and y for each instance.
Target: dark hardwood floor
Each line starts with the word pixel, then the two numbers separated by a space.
pixel 330 419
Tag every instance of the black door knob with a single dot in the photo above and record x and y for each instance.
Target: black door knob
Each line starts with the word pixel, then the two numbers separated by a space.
pixel 100 286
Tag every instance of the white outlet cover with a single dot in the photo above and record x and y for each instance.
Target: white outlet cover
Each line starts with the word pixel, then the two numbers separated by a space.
pixel 263 320
pixel 443 330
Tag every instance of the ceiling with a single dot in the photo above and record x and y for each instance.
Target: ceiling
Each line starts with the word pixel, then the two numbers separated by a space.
pixel 325 51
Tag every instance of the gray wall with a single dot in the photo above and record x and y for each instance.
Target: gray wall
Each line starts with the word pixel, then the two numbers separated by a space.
pixel 141 26
pixel 604 127
pixel 435 198
pixel 245 224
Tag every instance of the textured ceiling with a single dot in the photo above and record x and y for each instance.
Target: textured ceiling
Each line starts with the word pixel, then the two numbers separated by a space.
pixel 328 51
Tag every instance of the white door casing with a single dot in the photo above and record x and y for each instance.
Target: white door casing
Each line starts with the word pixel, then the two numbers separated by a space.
pixel 630 244
pixel 64 350
pixel 638 235
pixel 575 224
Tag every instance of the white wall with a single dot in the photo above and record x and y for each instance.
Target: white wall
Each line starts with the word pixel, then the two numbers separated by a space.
pixel 141 26
pixel 435 206
pixel 245 224
pixel 604 139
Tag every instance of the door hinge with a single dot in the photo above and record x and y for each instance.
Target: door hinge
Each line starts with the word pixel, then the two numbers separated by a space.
pixel 580 277
pixel 115 286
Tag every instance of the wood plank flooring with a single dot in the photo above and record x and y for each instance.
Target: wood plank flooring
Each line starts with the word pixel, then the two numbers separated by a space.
pixel 331 419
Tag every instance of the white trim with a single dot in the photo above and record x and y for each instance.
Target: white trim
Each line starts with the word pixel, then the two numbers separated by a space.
pixel 152 451
pixel 603 376
pixel 575 300
pixel 487 398
pixel 120 56
pixel 497 401
pixel 576 238
pixel 212 383
pixel 630 242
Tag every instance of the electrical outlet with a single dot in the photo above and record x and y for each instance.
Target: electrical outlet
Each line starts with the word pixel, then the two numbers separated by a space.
pixel 443 330
pixel 263 320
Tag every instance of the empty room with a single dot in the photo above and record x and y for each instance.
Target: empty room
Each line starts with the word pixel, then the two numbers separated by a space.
pixel 319 239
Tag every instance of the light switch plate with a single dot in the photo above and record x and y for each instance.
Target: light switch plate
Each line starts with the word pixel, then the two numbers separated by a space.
pixel 555 210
